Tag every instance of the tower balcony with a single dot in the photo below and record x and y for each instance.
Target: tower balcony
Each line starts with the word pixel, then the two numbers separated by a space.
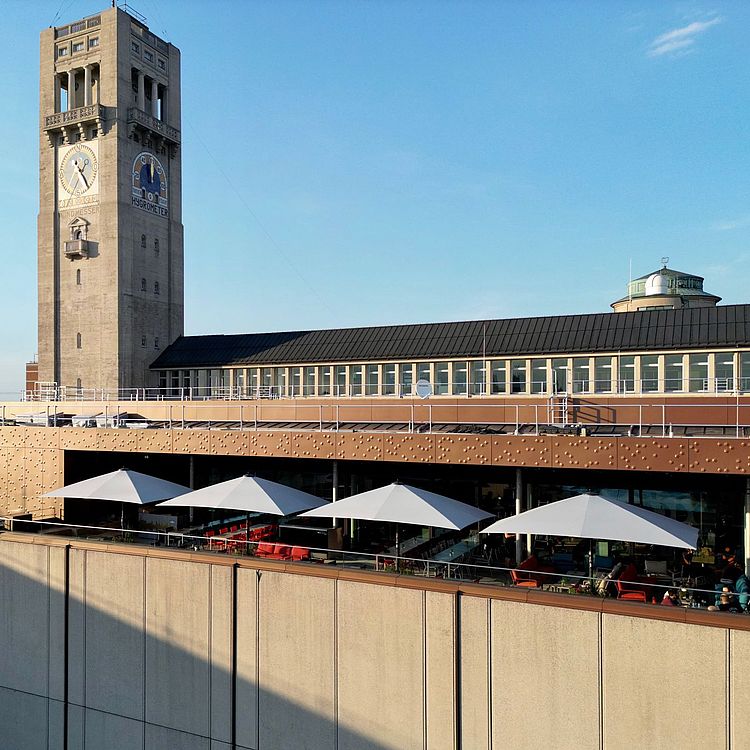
pixel 74 119
pixel 140 121
pixel 76 249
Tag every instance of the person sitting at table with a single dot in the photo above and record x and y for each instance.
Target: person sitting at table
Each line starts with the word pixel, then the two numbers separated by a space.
pixel 728 603
pixel 742 589
pixel 670 599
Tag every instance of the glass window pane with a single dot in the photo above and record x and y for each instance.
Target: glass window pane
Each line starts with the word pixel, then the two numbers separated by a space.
pixel 324 380
pixel 389 380
pixel 518 376
pixel 581 375
pixel 355 380
pixel 698 373
pixel 560 375
pixel 340 372
pixel 477 376
pixel 309 384
pixel 441 378
pixel 423 371
pixel 459 378
pixel 371 380
pixel 650 373
pixel 602 374
pixel 745 371
pixel 406 378
pixel 538 375
pixel 279 381
pixel 295 374
pixel 626 374
pixel 498 370
pixel 672 373
pixel 724 371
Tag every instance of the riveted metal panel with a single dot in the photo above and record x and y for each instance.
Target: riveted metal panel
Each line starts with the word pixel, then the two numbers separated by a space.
pixel 12 437
pixel 584 452
pixel 117 440
pixel 641 454
pixel 521 450
pixel 313 444
pixel 191 441
pixel 719 456
pixel 154 441
pixel 78 438
pixel 463 449
pixel 363 446
pixel 270 443
pixel 229 443
pixel 42 437
pixel 416 448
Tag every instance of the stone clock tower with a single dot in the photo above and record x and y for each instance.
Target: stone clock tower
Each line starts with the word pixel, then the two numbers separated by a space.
pixel 110 215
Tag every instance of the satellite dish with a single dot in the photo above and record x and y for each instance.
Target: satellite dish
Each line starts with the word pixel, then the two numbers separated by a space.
pixel 423 388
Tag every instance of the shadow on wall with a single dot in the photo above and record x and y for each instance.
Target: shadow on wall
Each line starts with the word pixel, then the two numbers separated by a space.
pixel 146 658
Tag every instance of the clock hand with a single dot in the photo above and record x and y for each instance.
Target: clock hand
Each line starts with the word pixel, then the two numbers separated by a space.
pixel 81 175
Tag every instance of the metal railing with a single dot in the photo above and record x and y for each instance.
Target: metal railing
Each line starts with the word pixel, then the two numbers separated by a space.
pixel 688 591
pixel 646 419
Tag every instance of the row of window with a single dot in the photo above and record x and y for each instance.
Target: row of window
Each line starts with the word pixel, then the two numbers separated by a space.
pixel 74 48
pixel 148 55
pixel 144 340
pixel 645 373
pixel 144 286
pixel 156 243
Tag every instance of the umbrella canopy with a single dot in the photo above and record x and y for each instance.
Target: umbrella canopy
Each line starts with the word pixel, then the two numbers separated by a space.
pixel 400 503
pixel 595 517
pixel 124 486
pixel 249 494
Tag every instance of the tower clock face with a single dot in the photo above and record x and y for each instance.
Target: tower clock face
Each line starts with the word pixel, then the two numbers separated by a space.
pixel 149 186
pixel 77 172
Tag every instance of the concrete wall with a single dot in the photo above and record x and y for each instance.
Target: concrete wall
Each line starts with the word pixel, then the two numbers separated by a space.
pixel 123 647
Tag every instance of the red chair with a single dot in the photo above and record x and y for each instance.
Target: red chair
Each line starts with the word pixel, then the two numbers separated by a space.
pixel 300 553
pixel 264 549
pixel 281 552
pixel 629 592
pixel 524 580
pixel 234 528
pixel 223 531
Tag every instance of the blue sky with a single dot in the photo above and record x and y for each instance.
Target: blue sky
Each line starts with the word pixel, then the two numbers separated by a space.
pixel 417 161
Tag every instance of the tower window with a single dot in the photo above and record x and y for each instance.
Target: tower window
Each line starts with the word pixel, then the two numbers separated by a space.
pixel 143 341
pixel 94 41
pixel 62 51
pixel 135 47
pixel 156 343
pixel 148 56
pixel 78 341
pixel 156 246
pixel 156 287
pixel 78 277
pixel 143 240
pixel 143 285
pixel 77 46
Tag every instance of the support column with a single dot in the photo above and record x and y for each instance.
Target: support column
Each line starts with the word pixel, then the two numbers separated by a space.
pixel 519 509
pixel 154 98
pixel 71 89
pixel 141 91
pixel 58 98
pixel 87 86
pixel 529 506
pixel 747 526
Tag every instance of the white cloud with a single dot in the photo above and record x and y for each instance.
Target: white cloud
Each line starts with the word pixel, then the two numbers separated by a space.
pixel 730 224
pixel 680 40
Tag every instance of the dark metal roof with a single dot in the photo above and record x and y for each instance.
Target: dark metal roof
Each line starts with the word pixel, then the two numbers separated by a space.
pixel 726 326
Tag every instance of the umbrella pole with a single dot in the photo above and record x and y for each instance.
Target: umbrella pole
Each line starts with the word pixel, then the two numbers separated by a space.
pixel 398 549
pixel 122 516
pixel 591 561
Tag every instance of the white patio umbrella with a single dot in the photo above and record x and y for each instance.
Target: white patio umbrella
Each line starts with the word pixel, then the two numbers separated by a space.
pixel 249 494
pixel 401 503
pixel 123 486
pixel 595 517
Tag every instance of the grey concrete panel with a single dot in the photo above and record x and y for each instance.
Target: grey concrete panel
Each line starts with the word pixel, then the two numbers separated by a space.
pixel 114 628
pixel 55 724
pixel 77 630
pixel 161 738
pixel 57 582
pixel 655 694
pixel 547 659
pixel 76 728
pixel 104 730
pixel 380 667
pixel 23 721
pixel 297 699
pixel 440 649
pixel 24 617
pixel 221 653
pixel 177 644
pixel 247 661
pixel 475 678
pixel 739 688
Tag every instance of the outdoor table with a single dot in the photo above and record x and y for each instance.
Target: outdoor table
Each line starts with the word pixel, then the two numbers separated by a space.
pixel 451 554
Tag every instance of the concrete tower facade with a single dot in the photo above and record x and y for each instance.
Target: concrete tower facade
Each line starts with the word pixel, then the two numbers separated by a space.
pixel 110 232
